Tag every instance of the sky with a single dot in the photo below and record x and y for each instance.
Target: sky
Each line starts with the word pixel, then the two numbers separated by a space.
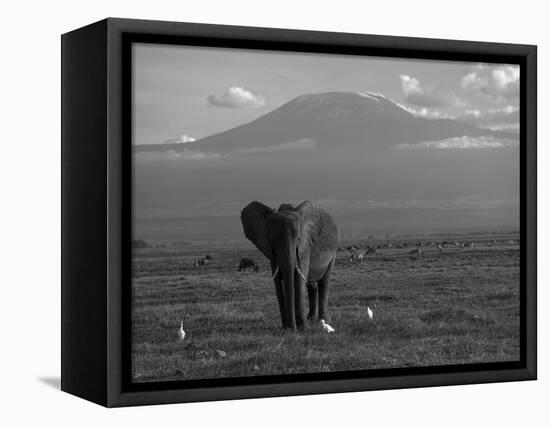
pixel 184 93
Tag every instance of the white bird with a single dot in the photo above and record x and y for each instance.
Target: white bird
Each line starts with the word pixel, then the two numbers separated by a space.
pixel 327 327
pixel 181 333
pixel 369 312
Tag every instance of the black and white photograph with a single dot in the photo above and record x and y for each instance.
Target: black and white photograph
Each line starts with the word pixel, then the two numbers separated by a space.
pixel 305 212
pixel 275 213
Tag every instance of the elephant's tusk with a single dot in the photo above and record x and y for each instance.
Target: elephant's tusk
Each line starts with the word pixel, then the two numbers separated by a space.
pixel 301 274
pixel 275 273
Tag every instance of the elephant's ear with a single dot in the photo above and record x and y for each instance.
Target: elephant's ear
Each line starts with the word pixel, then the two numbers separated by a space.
pixel 310 225
pixel 254 219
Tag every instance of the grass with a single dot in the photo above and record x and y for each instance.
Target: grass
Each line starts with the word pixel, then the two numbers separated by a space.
pixel 458 307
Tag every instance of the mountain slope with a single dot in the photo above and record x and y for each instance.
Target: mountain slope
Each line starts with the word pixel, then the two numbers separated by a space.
pixel 335 120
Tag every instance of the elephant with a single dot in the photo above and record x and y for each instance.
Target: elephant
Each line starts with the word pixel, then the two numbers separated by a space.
pixel 246 263
pixel 301 244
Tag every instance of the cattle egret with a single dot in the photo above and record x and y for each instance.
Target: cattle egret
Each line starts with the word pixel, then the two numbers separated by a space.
pixel 181 333
pixel 369 312
pixel 326 327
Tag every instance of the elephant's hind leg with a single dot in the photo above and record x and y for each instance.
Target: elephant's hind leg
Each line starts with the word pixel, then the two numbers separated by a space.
pixel 323 292
pixel 312 296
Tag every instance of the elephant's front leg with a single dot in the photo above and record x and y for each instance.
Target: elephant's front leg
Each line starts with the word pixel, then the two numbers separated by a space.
pixel 300 300
pixel 312 296
pixel 281 299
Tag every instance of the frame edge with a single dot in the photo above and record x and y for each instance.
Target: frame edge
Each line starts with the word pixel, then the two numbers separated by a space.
pixel 83 223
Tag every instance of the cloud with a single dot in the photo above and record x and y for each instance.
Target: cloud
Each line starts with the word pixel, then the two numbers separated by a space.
pixel 506 117
pixel 299 145
pixel 181 139
pixel 424 112
pixel 186 155
pixel 461 142
pixel 410 85
pixel 236 97
pixel 304 144
pixel 438 96
pixel 500 82
pixel 503 118
pixel 186 138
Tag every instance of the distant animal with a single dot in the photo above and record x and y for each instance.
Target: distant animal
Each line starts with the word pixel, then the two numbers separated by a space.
pixel 326 327
pixel 247 263
pixel 356 257
pixel 471 245
pixel 440 247
pixel 370 250
pixel 369 313
pixel 301 243
pixel 181 333
pixel 420 244
pixel 201 262
pixel 415 252
pixel 208 257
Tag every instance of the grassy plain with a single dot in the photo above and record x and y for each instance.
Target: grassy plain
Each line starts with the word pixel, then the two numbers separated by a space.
pixel 459 306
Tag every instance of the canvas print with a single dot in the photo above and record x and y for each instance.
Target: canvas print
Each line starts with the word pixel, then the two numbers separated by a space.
pixel 306 212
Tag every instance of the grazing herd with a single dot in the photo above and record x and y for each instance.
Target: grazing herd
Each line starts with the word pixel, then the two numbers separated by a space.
pixel 355 255
pixel 244 264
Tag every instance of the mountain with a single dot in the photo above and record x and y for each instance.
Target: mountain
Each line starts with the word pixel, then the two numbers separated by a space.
pixel 334 120
pixel 337 149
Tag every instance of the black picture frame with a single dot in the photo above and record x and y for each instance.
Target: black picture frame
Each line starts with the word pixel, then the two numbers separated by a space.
pixel 96 212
